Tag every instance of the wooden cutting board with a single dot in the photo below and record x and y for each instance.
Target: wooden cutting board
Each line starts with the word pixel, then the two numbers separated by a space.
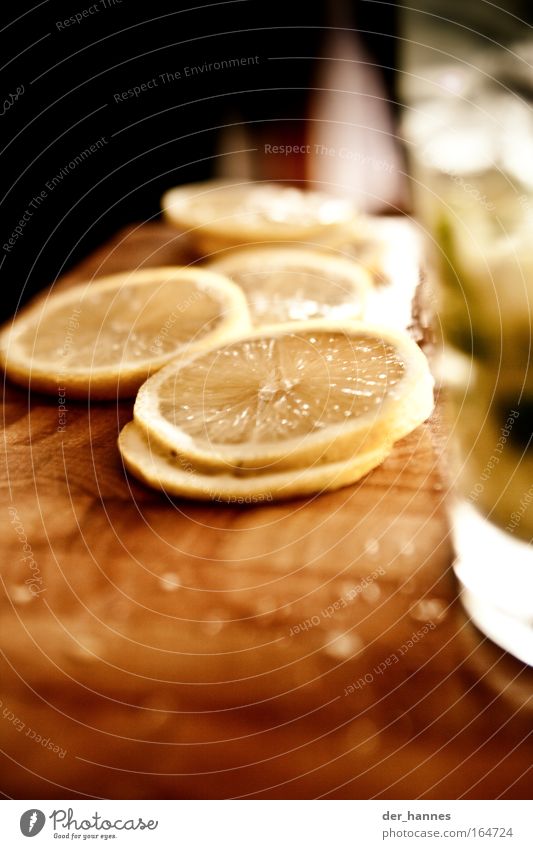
pixel 176 650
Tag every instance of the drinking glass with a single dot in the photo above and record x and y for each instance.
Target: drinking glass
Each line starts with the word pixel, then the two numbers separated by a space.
pixel 469 130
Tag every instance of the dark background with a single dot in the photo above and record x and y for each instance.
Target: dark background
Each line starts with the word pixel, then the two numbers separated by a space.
pixel 169 134
pixel 165 136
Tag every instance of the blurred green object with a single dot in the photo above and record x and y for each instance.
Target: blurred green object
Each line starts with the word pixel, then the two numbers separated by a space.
pixel 467 84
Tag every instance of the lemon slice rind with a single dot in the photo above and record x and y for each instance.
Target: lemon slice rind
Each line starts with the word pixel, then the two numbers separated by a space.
pixel 155 467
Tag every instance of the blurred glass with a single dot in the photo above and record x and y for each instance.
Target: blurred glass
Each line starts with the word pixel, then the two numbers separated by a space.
pixel 469 130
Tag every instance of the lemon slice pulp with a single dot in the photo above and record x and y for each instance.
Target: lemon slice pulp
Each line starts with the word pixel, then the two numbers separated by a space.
pixel 107 336
pixel 220 213
pixel 288 396
pixel 296 284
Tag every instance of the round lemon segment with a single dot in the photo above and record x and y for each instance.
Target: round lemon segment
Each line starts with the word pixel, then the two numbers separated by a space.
pixel 105 337
pixel 367 240
pixel 175 475
pixel 221 213
pixel 296 284
pixel 289 395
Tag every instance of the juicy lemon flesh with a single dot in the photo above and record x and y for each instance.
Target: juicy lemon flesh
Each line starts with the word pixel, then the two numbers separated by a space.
pixel 268 390
pixel 296 294
pixel 131 324
pixel 253 206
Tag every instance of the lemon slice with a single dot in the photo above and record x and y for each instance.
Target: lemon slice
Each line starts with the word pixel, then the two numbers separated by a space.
pixel 289 395
pixel 222 213
pixel 106 337
pixel 296 284
pixel 368 239
pixel 175 475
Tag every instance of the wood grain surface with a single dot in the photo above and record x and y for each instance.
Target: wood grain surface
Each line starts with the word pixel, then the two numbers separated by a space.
pixel 180 650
